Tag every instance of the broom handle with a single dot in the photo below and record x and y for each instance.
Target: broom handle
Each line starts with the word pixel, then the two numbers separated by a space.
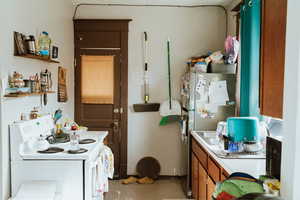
pixel 146 81
pixel 169 74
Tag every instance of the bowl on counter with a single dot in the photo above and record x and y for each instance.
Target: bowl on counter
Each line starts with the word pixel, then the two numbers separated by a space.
pixel 252 146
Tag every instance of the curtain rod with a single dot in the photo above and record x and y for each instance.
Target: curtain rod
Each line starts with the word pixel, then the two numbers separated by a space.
pixel 147 5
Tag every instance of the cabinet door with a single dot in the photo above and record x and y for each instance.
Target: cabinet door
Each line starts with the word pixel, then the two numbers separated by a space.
pixel 202 183
pixel 224 175
pixel 214 170
pixel 195 176
pixel 272 57
pixel 210 188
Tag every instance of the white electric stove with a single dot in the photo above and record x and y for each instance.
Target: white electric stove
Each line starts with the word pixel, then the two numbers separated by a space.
pixel 73 173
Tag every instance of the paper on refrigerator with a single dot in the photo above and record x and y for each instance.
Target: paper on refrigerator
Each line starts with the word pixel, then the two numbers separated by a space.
pixel 218 93
pixel 202 88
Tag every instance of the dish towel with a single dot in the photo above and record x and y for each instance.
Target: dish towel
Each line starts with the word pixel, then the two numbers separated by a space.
pixel 109 162
pixel 105 169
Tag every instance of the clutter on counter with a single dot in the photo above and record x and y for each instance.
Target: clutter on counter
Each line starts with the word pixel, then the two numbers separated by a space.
pixel 253 164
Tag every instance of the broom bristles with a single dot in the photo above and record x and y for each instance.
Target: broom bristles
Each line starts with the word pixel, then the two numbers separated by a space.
pixel 169 119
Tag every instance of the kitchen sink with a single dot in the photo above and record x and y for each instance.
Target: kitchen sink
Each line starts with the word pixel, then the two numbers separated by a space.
pixel 210 137
pixel 213 144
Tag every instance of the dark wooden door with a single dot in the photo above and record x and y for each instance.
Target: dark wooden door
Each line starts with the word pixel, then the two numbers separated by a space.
pixel 101 79
pixel 274 14
pixel 97 112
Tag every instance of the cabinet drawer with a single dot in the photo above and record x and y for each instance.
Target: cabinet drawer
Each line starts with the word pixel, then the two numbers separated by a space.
pixel 214 170
pixel 200 153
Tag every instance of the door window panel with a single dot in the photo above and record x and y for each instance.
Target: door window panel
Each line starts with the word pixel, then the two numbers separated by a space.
pixel 97 77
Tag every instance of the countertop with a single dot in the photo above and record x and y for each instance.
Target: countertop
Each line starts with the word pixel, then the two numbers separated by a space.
pixel 254 167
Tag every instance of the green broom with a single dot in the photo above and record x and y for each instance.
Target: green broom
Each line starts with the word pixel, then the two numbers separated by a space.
pixel 170 110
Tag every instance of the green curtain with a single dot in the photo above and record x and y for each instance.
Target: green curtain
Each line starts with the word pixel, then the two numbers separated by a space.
pixel 250 57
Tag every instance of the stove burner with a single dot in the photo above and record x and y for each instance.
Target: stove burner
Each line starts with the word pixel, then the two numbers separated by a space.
pixel 87 141
pixel 52 150
pixel 81 150
pixel 62 138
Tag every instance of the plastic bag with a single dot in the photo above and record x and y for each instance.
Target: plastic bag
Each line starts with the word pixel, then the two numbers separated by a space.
pixel 232 47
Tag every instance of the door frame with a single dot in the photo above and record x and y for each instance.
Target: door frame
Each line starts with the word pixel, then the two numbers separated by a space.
pixel 110 25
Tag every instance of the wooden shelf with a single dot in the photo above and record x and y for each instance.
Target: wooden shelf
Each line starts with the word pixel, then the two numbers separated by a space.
pixel 45 59
pixel 28 94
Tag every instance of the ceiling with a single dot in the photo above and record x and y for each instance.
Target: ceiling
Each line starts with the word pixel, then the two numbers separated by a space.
pixel 159 2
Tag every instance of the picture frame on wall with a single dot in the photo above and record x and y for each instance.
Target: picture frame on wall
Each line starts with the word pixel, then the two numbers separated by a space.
pixel 54 53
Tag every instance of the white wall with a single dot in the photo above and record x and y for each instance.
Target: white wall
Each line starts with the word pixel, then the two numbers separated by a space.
pixel 232 17
pixel 28 17
pixel 290 174
pixel 192 31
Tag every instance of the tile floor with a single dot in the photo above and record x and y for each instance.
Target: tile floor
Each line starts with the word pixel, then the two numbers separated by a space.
pixel 164 189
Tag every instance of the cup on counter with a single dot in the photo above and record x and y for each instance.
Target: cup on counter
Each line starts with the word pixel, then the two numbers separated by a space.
pixel 74 141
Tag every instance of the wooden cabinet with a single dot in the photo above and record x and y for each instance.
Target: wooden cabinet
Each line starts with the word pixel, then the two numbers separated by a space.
pixel 195 176
pixel 273 35
pixel 210 188
pixel 202 183
pixel 224 175
pixel 214 170
pixel 205 173
pixel 200 153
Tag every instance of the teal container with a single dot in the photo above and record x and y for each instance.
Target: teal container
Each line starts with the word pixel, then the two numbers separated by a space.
pixel 243 129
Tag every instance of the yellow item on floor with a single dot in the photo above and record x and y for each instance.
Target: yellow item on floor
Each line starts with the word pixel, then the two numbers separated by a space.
pixel 129 180
pixel 146 180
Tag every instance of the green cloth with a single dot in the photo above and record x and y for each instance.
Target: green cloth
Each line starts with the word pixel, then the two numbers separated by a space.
pixel 238 188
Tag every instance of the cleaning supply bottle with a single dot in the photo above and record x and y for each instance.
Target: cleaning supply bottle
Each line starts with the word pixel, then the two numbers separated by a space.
pixel 44 43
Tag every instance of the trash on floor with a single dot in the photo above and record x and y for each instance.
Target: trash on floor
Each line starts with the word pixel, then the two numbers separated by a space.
pixel 146 180
pixel 129 180
pixel 132 179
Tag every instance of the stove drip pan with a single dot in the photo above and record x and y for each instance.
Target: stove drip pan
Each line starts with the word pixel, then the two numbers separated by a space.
pixel 52 150
pixel 62 138
pixel 87 141
pixel 79 151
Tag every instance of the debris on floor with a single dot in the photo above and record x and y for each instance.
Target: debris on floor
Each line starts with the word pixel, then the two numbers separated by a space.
pixel 146 180
pixel 129 180
pixel 132 179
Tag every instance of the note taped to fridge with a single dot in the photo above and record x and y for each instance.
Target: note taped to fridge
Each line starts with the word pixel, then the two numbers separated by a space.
pixel 218 93
pixel 206 110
